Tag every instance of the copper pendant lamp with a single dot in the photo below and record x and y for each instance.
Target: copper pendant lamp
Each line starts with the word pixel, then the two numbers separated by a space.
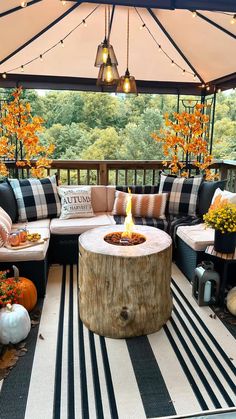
pixel 105 48
pixel 127 83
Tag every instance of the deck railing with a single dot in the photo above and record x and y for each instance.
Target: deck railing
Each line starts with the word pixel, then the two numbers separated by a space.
pixel 122 172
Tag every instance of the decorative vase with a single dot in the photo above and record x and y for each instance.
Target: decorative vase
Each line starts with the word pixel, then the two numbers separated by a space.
pixel 225 242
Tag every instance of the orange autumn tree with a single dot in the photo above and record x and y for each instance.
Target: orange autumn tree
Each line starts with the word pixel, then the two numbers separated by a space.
pixel 19 139
pixel 184 143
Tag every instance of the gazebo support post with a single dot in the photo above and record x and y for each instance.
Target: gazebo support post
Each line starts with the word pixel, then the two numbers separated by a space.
pixel 213 121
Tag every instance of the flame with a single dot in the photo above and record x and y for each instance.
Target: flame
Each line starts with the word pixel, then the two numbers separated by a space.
pixel 128 224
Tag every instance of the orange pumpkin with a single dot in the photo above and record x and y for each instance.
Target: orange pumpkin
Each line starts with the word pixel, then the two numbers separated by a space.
pixel 28 297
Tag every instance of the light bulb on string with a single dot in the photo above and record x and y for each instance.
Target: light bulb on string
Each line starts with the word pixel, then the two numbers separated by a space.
pixel 208 88
pixel 62 43
pixel 22 69
pixel 84 23
pixel 194 13
pixel 4 75
pixel 203 86
pixel 63 2
pixel 142 26
pixel 184 71
pixel 194 76
pixel 233 20
pixel 41 57
pixel 172 63
pixel 159 48
pixel 219 91
pixel 23 3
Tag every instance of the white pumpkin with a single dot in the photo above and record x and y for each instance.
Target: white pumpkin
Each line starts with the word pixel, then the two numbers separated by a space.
pixel 14 324
pixel 231 301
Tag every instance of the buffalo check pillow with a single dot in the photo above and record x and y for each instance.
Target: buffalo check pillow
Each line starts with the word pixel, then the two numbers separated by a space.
pixel 183 193
pixel 36 198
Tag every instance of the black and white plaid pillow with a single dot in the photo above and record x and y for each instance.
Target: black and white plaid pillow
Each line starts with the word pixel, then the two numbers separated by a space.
pixel 183 193
pixel 36 198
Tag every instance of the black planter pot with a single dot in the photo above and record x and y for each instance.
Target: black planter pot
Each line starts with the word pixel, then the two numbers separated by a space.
pixel 225 243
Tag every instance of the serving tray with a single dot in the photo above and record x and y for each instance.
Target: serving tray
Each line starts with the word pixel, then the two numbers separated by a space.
pixel 25 245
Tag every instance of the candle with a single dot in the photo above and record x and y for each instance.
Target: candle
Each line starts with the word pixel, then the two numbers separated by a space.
pixel 14 239
pixel 207 292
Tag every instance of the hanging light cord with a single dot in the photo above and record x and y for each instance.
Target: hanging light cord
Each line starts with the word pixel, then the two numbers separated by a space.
pixel 106 21
pixel 127 56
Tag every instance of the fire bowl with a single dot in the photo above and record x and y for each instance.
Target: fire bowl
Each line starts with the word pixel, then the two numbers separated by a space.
pixel 116 239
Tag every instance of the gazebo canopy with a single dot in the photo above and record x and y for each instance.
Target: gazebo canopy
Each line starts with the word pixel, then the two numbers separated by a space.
pixel 172 49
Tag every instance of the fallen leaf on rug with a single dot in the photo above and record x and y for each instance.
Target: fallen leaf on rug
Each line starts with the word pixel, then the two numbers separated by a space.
pixel 9 357
pixel 34 322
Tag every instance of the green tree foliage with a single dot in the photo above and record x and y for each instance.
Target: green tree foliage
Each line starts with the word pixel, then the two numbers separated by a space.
pixel 107 126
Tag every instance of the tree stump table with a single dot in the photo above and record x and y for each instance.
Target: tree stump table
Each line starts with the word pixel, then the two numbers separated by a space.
pixel 124 291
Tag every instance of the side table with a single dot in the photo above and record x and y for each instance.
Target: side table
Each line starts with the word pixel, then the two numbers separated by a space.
pixel 227 259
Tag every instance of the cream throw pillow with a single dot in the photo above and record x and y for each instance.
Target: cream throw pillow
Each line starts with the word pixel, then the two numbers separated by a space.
pixel 229 196
pixel 75 202
pixel 5 226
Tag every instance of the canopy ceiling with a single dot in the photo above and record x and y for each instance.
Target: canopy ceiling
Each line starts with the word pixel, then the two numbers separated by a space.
pixel 204 45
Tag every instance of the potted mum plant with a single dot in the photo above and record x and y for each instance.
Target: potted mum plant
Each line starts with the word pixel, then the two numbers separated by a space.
pixel 10 291
pixel 222 218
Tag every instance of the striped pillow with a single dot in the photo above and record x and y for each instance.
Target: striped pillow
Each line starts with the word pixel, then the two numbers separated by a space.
pixel 183 193
pixel 36 198
pixel 5 226
pixel 143 205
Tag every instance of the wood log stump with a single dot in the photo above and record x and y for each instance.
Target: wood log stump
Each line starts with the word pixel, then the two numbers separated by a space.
pixel 124 291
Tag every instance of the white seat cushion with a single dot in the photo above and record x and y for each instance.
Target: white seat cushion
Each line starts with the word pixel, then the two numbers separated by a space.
pixel 198 237
pixel 37 252
pixel 80 225
pixel 32 225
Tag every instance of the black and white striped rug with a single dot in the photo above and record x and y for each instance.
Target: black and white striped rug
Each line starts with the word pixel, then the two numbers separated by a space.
pixel 187 367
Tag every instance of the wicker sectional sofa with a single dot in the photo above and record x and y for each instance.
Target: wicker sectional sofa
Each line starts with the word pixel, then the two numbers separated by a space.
pixel 61 236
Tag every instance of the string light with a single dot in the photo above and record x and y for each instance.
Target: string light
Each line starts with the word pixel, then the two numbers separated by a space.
pixel 84 23
pixel 23 4
pixel 61 42
pixel 160 49
pixel 219 90
pixel 194 13
pixel 203 86
pixel 208 88
pixel 233 20
pixel 63 2
pixel 142 26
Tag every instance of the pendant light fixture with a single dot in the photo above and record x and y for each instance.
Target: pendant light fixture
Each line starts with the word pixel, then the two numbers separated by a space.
pixel 104 49
pixel 108 74
pixel 127 83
